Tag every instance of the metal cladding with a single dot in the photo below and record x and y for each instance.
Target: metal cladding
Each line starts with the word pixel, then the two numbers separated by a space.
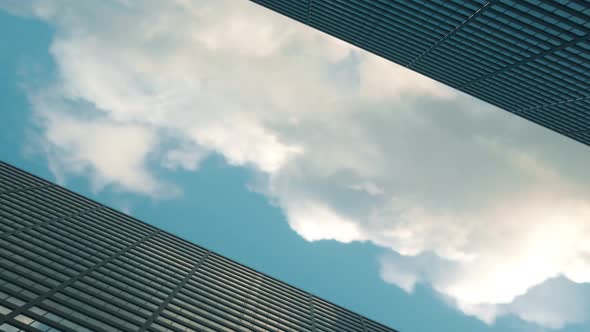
pixel 529 57
pixel 71 264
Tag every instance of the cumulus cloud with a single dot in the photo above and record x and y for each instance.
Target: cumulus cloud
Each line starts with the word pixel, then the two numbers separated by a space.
pixel 486 208
pixel 554 303
pixel 115 153
pixel 186 157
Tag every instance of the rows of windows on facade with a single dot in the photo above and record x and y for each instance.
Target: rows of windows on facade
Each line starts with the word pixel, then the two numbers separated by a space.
pixel 528 57
pixel 70 264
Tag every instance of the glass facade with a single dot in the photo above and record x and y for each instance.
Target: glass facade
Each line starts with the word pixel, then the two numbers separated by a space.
pixel 529 57
pixel 71 264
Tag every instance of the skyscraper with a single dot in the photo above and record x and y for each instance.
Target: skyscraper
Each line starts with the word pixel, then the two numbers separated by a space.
pixel 529 57
pixel 70 264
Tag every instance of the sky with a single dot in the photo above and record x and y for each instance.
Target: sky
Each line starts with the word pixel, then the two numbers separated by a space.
pixel 303 157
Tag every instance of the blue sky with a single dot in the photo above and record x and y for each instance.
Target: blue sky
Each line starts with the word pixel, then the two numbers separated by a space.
pixel 289 151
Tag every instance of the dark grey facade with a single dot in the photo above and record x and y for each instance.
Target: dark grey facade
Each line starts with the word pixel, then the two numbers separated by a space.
pixel 529 57
pixel 71 264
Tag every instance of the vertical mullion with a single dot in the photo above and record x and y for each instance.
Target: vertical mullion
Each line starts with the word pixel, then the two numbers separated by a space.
pixel 172 295
pixel 12 191
pixel 72 280
pixel 50 221
pixel 362 319
pixel 471 17
pixel 311 310
pixel 20 325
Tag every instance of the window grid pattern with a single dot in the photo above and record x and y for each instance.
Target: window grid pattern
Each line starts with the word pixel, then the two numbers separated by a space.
pixel 529 57
pixel 69 264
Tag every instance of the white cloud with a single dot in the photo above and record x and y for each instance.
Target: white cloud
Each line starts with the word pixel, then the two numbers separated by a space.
pixel 553 303
pixel 186 157
pixel 368 187
pixel 315 222
pixel 114 153
pixel 380 80
pixel 481 205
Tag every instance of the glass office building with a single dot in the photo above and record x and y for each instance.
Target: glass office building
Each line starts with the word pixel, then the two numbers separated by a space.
pixel 529 57
pixel 70 264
